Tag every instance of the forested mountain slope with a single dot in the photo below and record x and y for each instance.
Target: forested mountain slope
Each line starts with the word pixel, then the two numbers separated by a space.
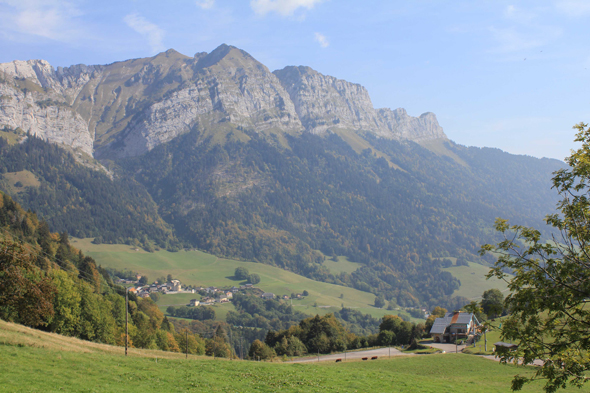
pixel 286 168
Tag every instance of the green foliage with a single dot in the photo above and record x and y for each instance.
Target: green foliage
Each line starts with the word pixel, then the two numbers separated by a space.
pixel 253 278
pixel 241 273
pixel 318 334
pixel 252 311
pixel 26 292
pixel 549 290
pixel 403 332
pixel 198 313
pixel 260 351
pixel 84 201
pixel 492 303
pixel 379 301
pixel 46 282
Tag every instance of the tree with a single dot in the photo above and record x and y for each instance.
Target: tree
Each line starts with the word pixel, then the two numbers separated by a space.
pixel 492 302
pixel 254 278
pixel 305 293
pixel 379 301
pixel 26 293
pixel 143 280
pixel 241 273
pixel 169 278
pixel 550 286
pixel 259 350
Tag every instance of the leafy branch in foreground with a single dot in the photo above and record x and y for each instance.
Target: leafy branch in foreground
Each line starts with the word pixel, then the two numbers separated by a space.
pixel 549 316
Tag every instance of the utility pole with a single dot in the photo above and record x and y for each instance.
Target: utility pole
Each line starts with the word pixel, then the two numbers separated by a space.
pixel 186 343
pixel 126 319
pixel 231 345
pixel 389 351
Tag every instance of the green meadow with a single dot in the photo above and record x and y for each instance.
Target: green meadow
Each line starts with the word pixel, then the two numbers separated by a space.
pixel 35 361
pixel 473 280
pixel 199 268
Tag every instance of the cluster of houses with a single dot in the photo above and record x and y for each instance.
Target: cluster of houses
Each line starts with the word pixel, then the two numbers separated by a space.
pixel 173 286
pixel 216 295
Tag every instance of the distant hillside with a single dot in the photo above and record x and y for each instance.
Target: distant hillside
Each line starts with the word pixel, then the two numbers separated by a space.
pixel 285 168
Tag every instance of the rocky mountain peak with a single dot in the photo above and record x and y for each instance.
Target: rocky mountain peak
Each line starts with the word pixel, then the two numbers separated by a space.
pixel 127 108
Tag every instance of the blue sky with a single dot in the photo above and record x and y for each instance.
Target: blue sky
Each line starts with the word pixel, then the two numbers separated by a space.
pixel 507 74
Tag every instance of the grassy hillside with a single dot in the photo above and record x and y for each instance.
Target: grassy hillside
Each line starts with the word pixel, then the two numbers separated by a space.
pixel 473 280
pixel 342 265
pixel 37 361
pixel 199 268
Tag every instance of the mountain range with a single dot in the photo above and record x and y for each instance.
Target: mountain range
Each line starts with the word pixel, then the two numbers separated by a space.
pixel 286 168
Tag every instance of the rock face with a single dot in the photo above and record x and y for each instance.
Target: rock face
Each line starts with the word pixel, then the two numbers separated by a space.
pixel 228 86
pixel 37 113
pixel 402 126
pixel 127 108
pixel 324 102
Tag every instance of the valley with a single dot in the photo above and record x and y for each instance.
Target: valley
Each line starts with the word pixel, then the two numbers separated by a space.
pixel 200 269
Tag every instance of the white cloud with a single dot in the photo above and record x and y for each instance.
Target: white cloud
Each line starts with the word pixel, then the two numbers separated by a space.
pixel 149 30
pixel 519 15
pixel 322 40
pixel 282 7
pixel 52 19
pixel 522 31
pixel 205 4
pixel 573 7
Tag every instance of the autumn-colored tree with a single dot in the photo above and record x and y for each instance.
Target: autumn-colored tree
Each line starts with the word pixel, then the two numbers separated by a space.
pixel 26 293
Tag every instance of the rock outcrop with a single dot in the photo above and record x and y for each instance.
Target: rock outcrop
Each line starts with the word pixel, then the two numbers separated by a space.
pixel 127 108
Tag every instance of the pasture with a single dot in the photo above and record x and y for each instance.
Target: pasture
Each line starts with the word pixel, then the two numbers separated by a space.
pixel 35 361
pixel 202 269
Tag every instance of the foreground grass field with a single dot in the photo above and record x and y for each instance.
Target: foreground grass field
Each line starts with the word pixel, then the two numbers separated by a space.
pixel 33 361
pixel 199 268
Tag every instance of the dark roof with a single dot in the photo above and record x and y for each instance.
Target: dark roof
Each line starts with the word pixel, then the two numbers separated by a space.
pixel 464 318
pixel 440 324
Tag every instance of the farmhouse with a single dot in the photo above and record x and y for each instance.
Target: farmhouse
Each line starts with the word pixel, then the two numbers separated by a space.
pixel 268 295
pixel 194 302
pixel 175 286
pixel 454 325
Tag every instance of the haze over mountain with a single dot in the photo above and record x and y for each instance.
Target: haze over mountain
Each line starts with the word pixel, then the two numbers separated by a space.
pixel 215 151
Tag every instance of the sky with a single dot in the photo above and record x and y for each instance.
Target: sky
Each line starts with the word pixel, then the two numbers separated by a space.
pixel 505 74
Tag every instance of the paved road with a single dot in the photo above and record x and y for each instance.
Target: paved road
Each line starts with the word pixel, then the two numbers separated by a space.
pixel 380 352
pixel 448 348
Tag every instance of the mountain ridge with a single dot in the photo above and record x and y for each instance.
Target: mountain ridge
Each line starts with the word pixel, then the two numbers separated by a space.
pixel 127 108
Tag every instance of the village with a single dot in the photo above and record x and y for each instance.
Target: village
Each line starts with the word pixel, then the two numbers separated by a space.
pixel 209 295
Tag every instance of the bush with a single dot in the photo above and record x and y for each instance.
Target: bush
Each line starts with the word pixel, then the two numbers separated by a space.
pixel 379 301
pixel 241 273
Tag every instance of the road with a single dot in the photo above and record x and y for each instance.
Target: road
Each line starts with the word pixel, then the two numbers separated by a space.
pixel 379 352
pixel 447 348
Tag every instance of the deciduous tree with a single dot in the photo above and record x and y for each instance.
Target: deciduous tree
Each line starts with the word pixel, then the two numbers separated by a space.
pixel 550 290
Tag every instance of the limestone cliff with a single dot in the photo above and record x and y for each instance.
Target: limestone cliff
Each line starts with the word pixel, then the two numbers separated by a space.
pixel 127 108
